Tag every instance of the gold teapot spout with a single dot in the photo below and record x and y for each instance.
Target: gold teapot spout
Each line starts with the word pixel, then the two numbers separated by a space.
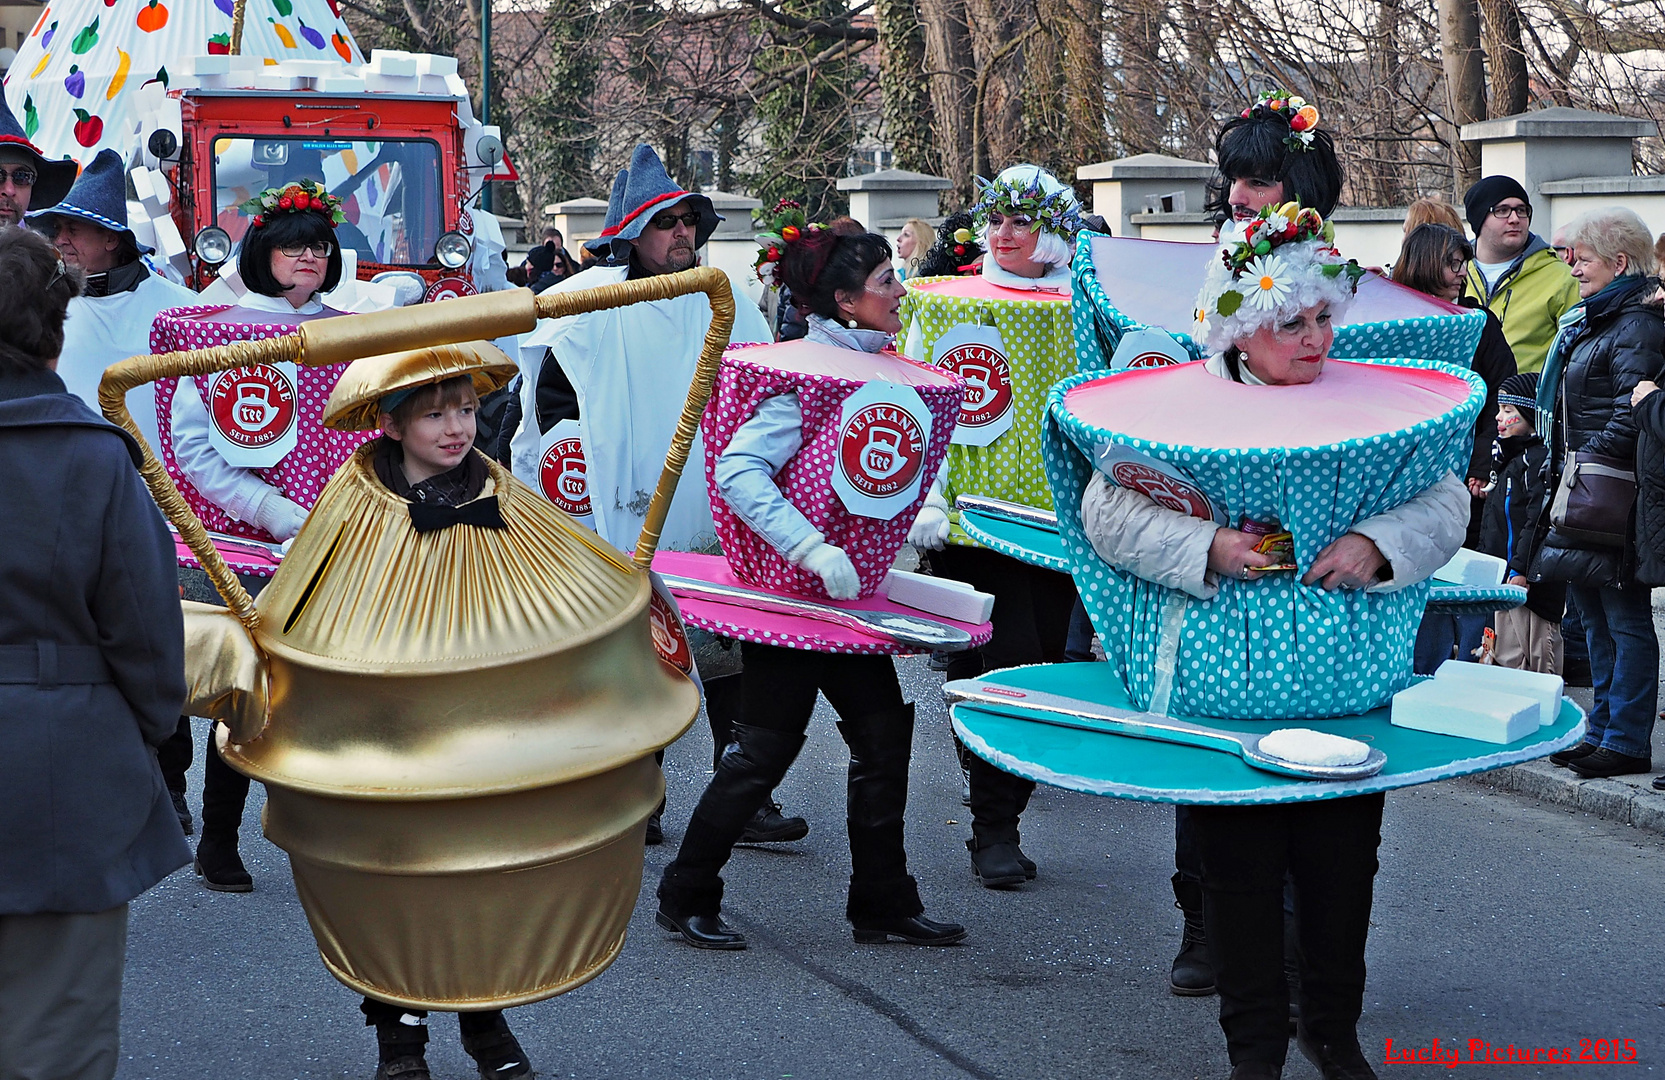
pixel 226 673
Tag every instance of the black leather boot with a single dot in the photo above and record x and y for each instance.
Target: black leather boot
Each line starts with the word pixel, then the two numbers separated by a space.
pixel 224 791
pixel 998 799
pixel 692 884
pixel 884 899
pixel 1192 974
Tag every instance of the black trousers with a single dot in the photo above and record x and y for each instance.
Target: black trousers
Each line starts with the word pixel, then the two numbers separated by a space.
pixel 224 791
pixel 398 1039
pixel 1031 623
pixel 777 691
pixel 1328 850
pixel 174 755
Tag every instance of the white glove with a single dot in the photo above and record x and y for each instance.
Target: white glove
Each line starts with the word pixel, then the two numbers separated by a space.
pixel 930 528
pixel 837 572
pixel 278 515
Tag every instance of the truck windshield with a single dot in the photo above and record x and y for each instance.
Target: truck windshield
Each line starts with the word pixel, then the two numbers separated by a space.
pixel 390 191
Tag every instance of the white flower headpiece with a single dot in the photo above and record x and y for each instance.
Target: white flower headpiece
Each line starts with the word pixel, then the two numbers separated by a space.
pixel 1281 263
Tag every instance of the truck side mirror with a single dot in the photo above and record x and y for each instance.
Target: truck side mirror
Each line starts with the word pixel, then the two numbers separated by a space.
pixel 489 149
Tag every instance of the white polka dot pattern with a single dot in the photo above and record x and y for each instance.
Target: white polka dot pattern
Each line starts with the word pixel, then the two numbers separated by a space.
pixel 303 472
pixel 743 382
pixel 1040 349
pixel 1269 648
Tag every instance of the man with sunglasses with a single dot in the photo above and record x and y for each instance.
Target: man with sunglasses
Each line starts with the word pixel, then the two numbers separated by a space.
pixel 28 181
pixel 1514 273
pixel 623 375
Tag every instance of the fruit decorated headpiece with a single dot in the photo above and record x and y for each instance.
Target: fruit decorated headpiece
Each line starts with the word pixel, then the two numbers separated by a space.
pixel 1294 110
pixel 1280 263
pixel 787 225
pixel 295 197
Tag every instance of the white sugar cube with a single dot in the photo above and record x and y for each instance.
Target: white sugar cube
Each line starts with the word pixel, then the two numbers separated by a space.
pixel 1455 707
pixel 1541 687
pixel 939 596
pixel 1469 567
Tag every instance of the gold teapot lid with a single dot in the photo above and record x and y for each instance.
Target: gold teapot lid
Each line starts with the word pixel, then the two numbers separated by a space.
pixel 354 403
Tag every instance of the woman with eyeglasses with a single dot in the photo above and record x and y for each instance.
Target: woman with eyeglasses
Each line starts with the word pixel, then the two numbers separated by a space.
pixel 1435 261
pixel 1026 220
pixel 248 449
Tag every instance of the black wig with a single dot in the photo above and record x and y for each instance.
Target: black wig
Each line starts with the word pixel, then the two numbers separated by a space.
pixel 284 229
pixel 943 260
pixel 1253 146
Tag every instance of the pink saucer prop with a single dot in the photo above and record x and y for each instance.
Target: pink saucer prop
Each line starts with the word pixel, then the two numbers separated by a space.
pixel 248 558
pixel 1348 401
pixel 788 631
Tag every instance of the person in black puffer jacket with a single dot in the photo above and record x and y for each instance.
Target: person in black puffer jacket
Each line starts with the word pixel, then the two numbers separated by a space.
pixel 1608 344
pixel 1528 637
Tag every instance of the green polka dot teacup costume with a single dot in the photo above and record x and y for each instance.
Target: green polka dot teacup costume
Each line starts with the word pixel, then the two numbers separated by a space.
pixel 1040 350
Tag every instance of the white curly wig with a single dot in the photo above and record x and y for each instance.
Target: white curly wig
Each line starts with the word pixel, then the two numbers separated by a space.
pixel 1051 248
pixel 1278 285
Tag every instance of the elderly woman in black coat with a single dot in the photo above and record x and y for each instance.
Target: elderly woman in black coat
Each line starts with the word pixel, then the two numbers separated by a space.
pixel 1611 341
pixel 91 680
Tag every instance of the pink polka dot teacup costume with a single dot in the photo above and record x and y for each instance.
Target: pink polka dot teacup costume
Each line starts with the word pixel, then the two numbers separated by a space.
pixel 822 378
pixel 247 448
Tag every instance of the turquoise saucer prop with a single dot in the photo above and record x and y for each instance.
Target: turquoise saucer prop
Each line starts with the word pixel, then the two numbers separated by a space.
pixel 1125 767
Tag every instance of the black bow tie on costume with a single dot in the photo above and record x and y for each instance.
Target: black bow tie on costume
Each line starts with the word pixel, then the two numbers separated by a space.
pixel 484 513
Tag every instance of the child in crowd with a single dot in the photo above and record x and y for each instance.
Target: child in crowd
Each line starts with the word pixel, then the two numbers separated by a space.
pixel 425 456
pixel 1528 637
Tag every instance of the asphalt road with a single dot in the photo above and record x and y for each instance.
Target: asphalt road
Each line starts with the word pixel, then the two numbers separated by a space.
pixel 1495 919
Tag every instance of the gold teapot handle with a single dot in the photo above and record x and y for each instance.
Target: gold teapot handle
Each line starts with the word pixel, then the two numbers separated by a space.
pixel 349 337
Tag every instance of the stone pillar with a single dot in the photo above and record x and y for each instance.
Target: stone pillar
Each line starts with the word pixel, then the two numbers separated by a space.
pixel 1151 184
pixel 578 219
pixel 1549 145
pixel 884 201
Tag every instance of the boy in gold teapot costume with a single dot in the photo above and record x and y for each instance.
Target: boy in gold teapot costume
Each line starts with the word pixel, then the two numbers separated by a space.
pixel 459 763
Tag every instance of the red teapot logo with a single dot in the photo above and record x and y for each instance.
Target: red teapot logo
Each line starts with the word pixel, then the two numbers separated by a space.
pixel 988 383
pixel 253 407
pixel 1162 489
pixel 564 477
pixel 881 450
pixel 669 638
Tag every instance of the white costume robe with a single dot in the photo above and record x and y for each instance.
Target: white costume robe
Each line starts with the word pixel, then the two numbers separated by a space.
pixel 630 368
pixel 101 330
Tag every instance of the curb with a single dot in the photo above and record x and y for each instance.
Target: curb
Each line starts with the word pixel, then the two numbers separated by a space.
pixel 1635 804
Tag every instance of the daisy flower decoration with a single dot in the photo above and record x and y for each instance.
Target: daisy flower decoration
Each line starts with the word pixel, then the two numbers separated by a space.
pixel 1266 281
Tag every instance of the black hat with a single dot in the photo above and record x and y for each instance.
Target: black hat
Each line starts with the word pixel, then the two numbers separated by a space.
pixel 1486 193
pixel 55 177
pixel 1521 391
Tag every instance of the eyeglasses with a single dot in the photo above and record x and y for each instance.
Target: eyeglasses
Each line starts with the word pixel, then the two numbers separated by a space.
pixel 1504 213
pixel 320 250
pixel 20 175
pixel 667 222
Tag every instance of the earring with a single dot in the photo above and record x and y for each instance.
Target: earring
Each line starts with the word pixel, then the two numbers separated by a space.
pixel 851 323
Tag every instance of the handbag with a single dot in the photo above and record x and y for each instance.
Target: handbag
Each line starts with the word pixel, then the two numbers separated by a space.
pixel 1594 497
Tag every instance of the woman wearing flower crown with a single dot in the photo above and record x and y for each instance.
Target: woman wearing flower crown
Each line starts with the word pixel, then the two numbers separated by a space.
pixel 1025 221
pixel 1266 310
pixel 774 433
pixel 248 449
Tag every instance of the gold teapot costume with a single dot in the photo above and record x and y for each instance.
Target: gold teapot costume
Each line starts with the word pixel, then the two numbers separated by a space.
pixel 456 728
